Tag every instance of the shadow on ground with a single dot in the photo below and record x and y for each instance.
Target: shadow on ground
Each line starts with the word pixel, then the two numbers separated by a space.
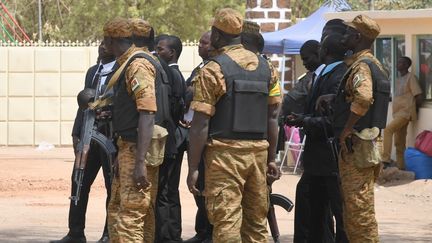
pixel 400 238
pixel 26 235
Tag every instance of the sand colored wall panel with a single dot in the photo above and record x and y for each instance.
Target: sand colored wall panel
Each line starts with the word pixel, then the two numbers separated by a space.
pixel 186 61
pixel 3 59
pixel 20 84
pixel 47 84
pixel 47 109
pixel 47 132
pixel 65 133
pixel 21 59
pixel 74 59
pixel 3 109
pixel 47 59
pixel 3 133
pixel 38 95
pixel 3 84
pixel 72 83
pixel 20 133
pixel 20 109
pixel 93 55
pixel 69 107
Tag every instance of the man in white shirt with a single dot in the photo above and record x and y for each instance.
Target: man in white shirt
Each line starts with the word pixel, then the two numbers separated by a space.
pixel 97 77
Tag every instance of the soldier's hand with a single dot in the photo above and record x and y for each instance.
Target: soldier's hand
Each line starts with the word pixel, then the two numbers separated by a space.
pixel 191 182
pixel 343 138
pixel 116 168
pixel 323 102
pixel 294 119
pixel 273 172
pixel 140 177
pixel 104 115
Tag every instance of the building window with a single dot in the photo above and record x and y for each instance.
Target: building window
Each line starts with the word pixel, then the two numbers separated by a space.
pixel 388 50
pixel 424 47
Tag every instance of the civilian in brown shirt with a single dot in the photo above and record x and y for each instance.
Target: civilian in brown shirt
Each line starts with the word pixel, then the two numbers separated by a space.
pixel 408 96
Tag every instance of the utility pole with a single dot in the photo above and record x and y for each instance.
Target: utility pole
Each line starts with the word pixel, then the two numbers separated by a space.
pixel 40 19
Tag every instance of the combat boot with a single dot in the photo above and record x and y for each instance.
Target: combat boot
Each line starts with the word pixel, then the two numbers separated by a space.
pixel 70 239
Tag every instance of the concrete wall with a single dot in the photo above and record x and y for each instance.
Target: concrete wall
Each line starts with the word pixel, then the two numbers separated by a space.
pixel 38 88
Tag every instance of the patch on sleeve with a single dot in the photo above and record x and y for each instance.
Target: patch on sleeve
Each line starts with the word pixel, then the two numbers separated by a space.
pixel 358 78
pixel 275 90
pixel 134 84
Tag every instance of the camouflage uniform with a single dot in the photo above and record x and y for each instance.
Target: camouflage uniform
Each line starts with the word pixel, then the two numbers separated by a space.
pixel 358 183
pixel 140 29
pixel 235 179
pixel 131 211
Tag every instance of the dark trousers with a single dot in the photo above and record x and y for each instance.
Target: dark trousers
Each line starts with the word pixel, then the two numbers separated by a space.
pixel 325 195
pixel 203 228
pixel 168 208
pixel 322 201
pixel 95 160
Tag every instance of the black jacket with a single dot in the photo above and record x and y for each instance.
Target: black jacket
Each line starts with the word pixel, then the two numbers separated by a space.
pixel 318 158
pixel 76 130
pixel 179 90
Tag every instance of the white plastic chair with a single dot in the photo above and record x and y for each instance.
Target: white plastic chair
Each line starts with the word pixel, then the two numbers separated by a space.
pixel 296 150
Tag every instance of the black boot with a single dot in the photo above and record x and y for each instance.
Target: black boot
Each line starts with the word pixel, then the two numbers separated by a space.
pixel 71 239
pixel 196 239
pixel 104 239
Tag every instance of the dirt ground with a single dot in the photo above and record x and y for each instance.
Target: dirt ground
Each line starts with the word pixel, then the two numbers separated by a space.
pixel 35 186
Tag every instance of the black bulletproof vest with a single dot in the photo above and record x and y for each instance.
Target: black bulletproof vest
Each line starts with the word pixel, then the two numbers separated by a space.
pixel 241 113
pixel 377 113
pixel 125 115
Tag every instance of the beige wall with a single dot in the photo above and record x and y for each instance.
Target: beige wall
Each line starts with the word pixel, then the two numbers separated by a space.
pixel 38 88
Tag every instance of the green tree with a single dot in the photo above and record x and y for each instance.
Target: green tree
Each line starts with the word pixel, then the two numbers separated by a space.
pixel 303 8
pixel 84 19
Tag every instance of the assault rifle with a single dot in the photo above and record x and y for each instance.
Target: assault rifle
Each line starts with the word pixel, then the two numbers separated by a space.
pixel 276 200
pixel 88 134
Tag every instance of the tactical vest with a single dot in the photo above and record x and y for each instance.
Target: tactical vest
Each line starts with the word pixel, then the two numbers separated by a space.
pixel 376 116
pixel 241 113
pixel 125 114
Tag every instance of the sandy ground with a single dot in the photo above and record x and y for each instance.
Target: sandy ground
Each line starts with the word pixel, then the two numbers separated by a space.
pixel 35 185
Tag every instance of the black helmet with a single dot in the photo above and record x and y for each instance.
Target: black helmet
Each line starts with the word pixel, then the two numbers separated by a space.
pixel 84 97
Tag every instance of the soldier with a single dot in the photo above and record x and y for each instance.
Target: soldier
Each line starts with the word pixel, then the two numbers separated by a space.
pixel 133 121
pixel 360 111
pixel 143 38
pixel 239 134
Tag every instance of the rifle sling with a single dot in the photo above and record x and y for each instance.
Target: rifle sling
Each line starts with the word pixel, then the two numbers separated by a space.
pixel 106 101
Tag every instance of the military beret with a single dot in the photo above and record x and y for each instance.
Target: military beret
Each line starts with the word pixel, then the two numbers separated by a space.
pixel 365 26
pixel 250 27
pixel 118 28
pixel 229 21
pixel 140 27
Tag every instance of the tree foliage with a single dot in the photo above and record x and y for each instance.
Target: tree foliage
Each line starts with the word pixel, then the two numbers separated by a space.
pixel 84 19
pixel 303 8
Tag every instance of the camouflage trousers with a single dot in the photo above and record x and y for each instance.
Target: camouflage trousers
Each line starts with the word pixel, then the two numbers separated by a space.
pixel 236 194
pixel 130 211
pixel 359 202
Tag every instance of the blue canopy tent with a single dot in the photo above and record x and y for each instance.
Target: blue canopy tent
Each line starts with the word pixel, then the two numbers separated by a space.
pixel 289 40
